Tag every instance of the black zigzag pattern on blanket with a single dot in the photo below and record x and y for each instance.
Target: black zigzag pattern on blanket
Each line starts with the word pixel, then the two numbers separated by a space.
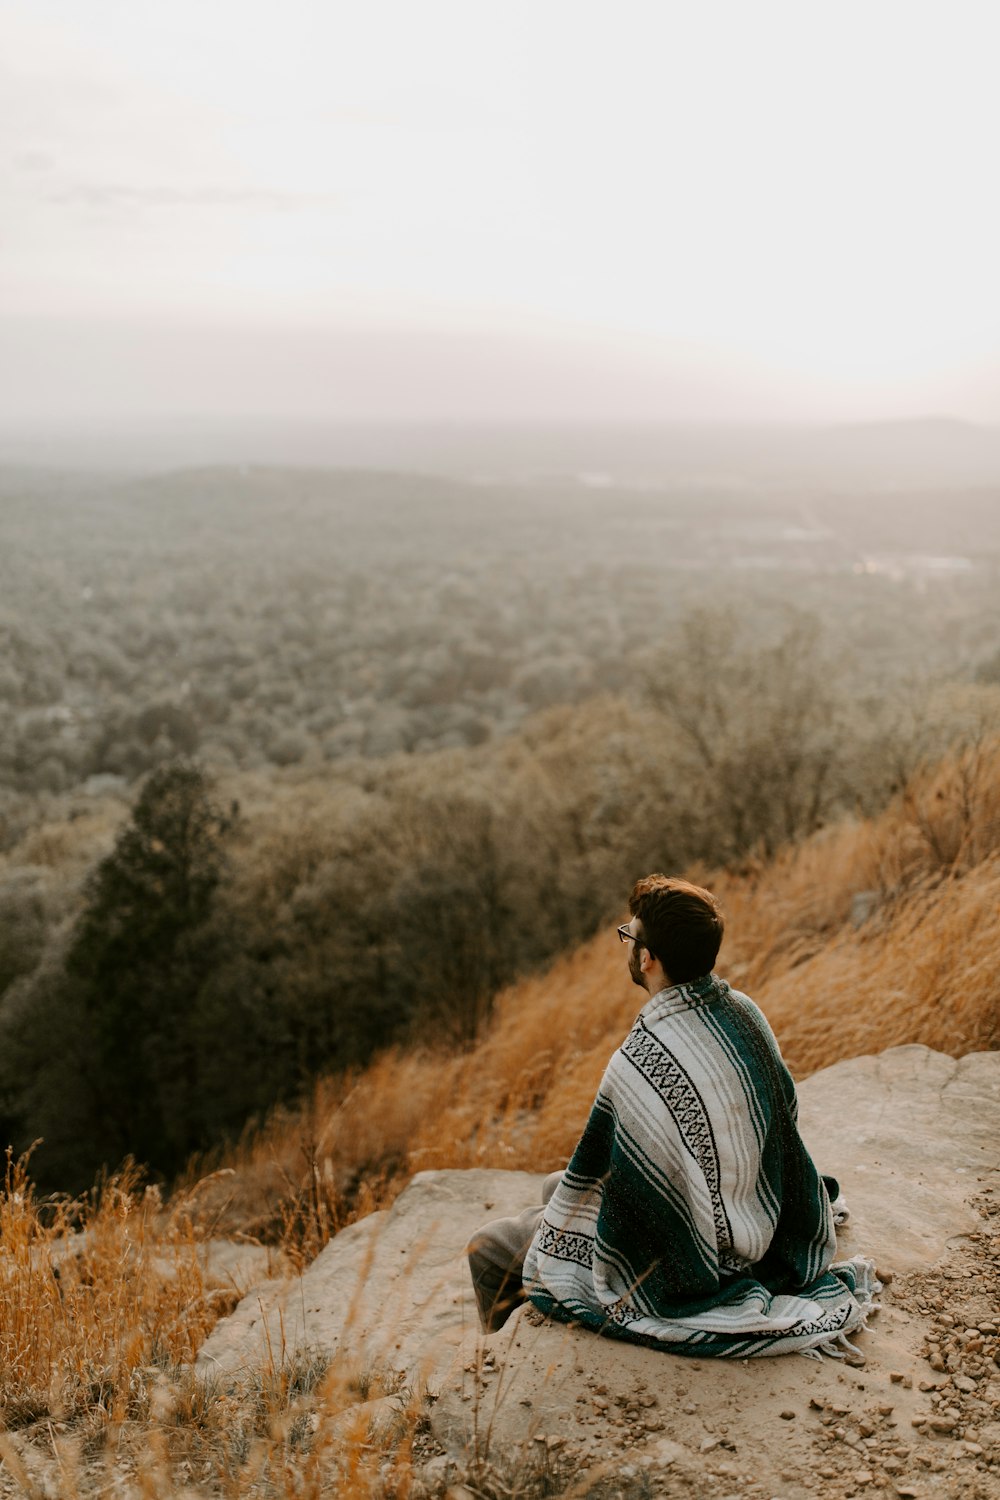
pixel 564 1244
pixel 830 1322
pixel 622 1313
pixel 664 1073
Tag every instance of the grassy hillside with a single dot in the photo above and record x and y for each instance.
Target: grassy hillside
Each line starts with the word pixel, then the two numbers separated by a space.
pixel 871 934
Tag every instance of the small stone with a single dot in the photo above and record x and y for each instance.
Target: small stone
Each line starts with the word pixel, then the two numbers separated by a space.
pixel 937 1363
pixel 907 1382
pixel 928 1385
pixel 787 1415
pixel 942 1424
pixel 964 1383
pixel 864 1476
pixel 896 1376
pixel 816 1405
pixel 866 1428
pixel 885 1409
pixel 707 1444
pixel 974 1449
pixel 893 1466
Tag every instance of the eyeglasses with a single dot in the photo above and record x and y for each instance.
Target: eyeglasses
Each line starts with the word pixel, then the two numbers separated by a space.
pixel 624 936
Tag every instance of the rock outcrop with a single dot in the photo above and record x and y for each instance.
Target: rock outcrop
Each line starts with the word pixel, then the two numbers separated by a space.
pixel 914 1138
pixel 393 1288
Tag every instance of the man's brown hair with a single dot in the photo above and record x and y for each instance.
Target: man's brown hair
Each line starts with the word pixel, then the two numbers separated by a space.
pixel 682 925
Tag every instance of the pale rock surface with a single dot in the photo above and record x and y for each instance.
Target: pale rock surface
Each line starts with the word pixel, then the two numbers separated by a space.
pixel 394 1286
pixel 908 1133
pixel 227 1266
pixel 914 1138
pixel 237 1265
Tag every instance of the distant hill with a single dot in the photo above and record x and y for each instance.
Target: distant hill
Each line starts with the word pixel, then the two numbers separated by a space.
pixel 922 453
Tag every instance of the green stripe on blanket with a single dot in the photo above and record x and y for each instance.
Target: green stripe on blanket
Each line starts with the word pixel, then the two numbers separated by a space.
pixel 691 1216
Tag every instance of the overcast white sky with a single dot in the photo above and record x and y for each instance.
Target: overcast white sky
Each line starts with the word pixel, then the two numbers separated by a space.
pixel 475 208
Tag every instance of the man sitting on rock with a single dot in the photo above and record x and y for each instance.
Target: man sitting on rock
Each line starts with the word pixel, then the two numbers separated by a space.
pixel 690 1217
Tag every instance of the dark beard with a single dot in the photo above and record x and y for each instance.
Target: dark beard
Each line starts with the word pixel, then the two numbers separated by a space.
pixel 635 972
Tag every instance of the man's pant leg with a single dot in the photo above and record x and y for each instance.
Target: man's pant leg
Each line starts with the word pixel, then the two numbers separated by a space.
pixel 496 1260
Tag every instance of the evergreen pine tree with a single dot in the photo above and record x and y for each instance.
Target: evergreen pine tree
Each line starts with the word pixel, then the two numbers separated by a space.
pixel 140 951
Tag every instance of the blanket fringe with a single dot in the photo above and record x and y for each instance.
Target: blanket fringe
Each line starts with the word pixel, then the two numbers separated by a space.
pixel 841 1212
pixel 837 1348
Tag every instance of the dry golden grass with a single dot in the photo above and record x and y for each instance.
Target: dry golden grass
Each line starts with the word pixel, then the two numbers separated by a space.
pixel 89 1291
pixel 103 1305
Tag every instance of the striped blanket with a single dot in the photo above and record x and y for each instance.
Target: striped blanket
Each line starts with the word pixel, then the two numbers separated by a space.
pixel 691 1216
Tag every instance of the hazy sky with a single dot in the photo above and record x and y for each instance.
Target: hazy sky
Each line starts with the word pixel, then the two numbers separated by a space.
pixel 466 208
